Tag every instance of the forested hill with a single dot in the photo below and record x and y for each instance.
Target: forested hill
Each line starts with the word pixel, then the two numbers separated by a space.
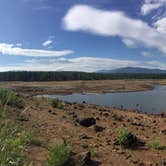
pixel 65 76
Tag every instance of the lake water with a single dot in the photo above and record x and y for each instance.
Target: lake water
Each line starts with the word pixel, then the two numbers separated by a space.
pixel 151 101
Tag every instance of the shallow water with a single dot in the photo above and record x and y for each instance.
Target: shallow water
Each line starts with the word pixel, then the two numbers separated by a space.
pixel 151 101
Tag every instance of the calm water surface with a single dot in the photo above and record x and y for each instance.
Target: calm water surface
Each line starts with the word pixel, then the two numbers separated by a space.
pixel 152 101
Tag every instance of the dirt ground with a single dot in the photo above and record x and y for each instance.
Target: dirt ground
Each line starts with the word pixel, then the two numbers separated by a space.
pixel 68 87
pixel 52 125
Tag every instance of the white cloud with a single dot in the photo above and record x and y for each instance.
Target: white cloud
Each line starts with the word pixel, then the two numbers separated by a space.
pixel 146 54
pixel 11 49
pixel 113 23
pixel 87 64
pixel 19 44
pixel 151 5
pixel 148 8
pixel 47 43
pixel 129 43
pixel 161 25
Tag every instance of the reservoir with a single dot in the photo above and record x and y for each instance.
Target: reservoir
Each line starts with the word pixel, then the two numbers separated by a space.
pixel 151 101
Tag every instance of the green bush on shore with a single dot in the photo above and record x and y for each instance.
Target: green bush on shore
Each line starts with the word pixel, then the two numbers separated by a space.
pixel 12 139
pixel 126 138
pixel 8 97
pixel 59 155
pixel 56 103
pixel 155 144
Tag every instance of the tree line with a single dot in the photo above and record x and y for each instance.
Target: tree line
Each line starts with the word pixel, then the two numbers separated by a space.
pixel 68 76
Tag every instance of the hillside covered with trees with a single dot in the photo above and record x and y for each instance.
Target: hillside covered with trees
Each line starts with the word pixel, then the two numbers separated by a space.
pixel 66 76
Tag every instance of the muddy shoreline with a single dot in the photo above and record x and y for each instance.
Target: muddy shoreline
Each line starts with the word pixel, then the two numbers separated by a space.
pixel 70 87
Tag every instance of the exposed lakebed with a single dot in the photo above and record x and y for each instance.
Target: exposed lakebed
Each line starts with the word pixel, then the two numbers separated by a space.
pixel 151 101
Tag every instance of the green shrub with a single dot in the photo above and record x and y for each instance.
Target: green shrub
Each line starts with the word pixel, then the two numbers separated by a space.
pixel 8 97
pixel 56 103
pixel 59 155
pixel 126 138
pixel 12 140
pixel 93 152
pixel 37 102
pixel 155 144
pixel 12 144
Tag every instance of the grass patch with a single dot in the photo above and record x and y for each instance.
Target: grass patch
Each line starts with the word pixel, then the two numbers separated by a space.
pixel 35 141
pixel 12 144
pixel 56 103
pixel 126 138
pixel 12 139
pixel 37 102
pixel 93 152
pixel 8 97
pixel 155 144
pixel 59 155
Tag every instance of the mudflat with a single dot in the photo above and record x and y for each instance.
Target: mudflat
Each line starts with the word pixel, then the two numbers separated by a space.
pixel 69 87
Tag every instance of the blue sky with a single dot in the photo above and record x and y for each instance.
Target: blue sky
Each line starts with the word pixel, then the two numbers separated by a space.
pixel 82 35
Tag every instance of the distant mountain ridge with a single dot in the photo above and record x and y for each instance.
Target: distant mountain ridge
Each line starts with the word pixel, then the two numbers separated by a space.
pixel 133 70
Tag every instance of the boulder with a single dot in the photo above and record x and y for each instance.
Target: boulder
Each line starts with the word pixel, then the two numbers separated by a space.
pixel 87 122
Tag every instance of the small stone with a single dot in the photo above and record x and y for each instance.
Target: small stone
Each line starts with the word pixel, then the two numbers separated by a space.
pixel 87 122
pixel 163 131
pixel 98 128
pixel 49 111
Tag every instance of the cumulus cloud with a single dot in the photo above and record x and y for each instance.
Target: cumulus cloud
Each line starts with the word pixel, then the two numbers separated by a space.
pixel 161 25
pixel 86 64
pixel 151 5
pixel 113 23
pixel 11 49
pixel 148 8
pixel 129 43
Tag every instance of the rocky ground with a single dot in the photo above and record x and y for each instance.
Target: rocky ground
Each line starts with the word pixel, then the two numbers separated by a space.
pixel 92 133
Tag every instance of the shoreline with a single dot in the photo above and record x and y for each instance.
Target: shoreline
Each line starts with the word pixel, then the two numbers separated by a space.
pixel 81 87
pixel 54 124
pixel 57 124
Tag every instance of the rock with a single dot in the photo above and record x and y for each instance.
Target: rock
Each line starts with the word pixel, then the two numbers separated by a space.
pixel 24 117
pixel 164 162
pixel 84 136
pixel 85 146
pixel 163 131
pixel 49 111
pixel 163 115
pixel 74 116
pixel 120 152
pixel 87 122
pixel 135 123
pixel 84 159
pixel 106 114
pixel 97 118
pixel 135 161
pixel 128 156
pixel 118 117
pixel 98 128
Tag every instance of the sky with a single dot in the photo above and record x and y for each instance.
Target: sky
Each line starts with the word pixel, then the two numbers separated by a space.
pixel 82 35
